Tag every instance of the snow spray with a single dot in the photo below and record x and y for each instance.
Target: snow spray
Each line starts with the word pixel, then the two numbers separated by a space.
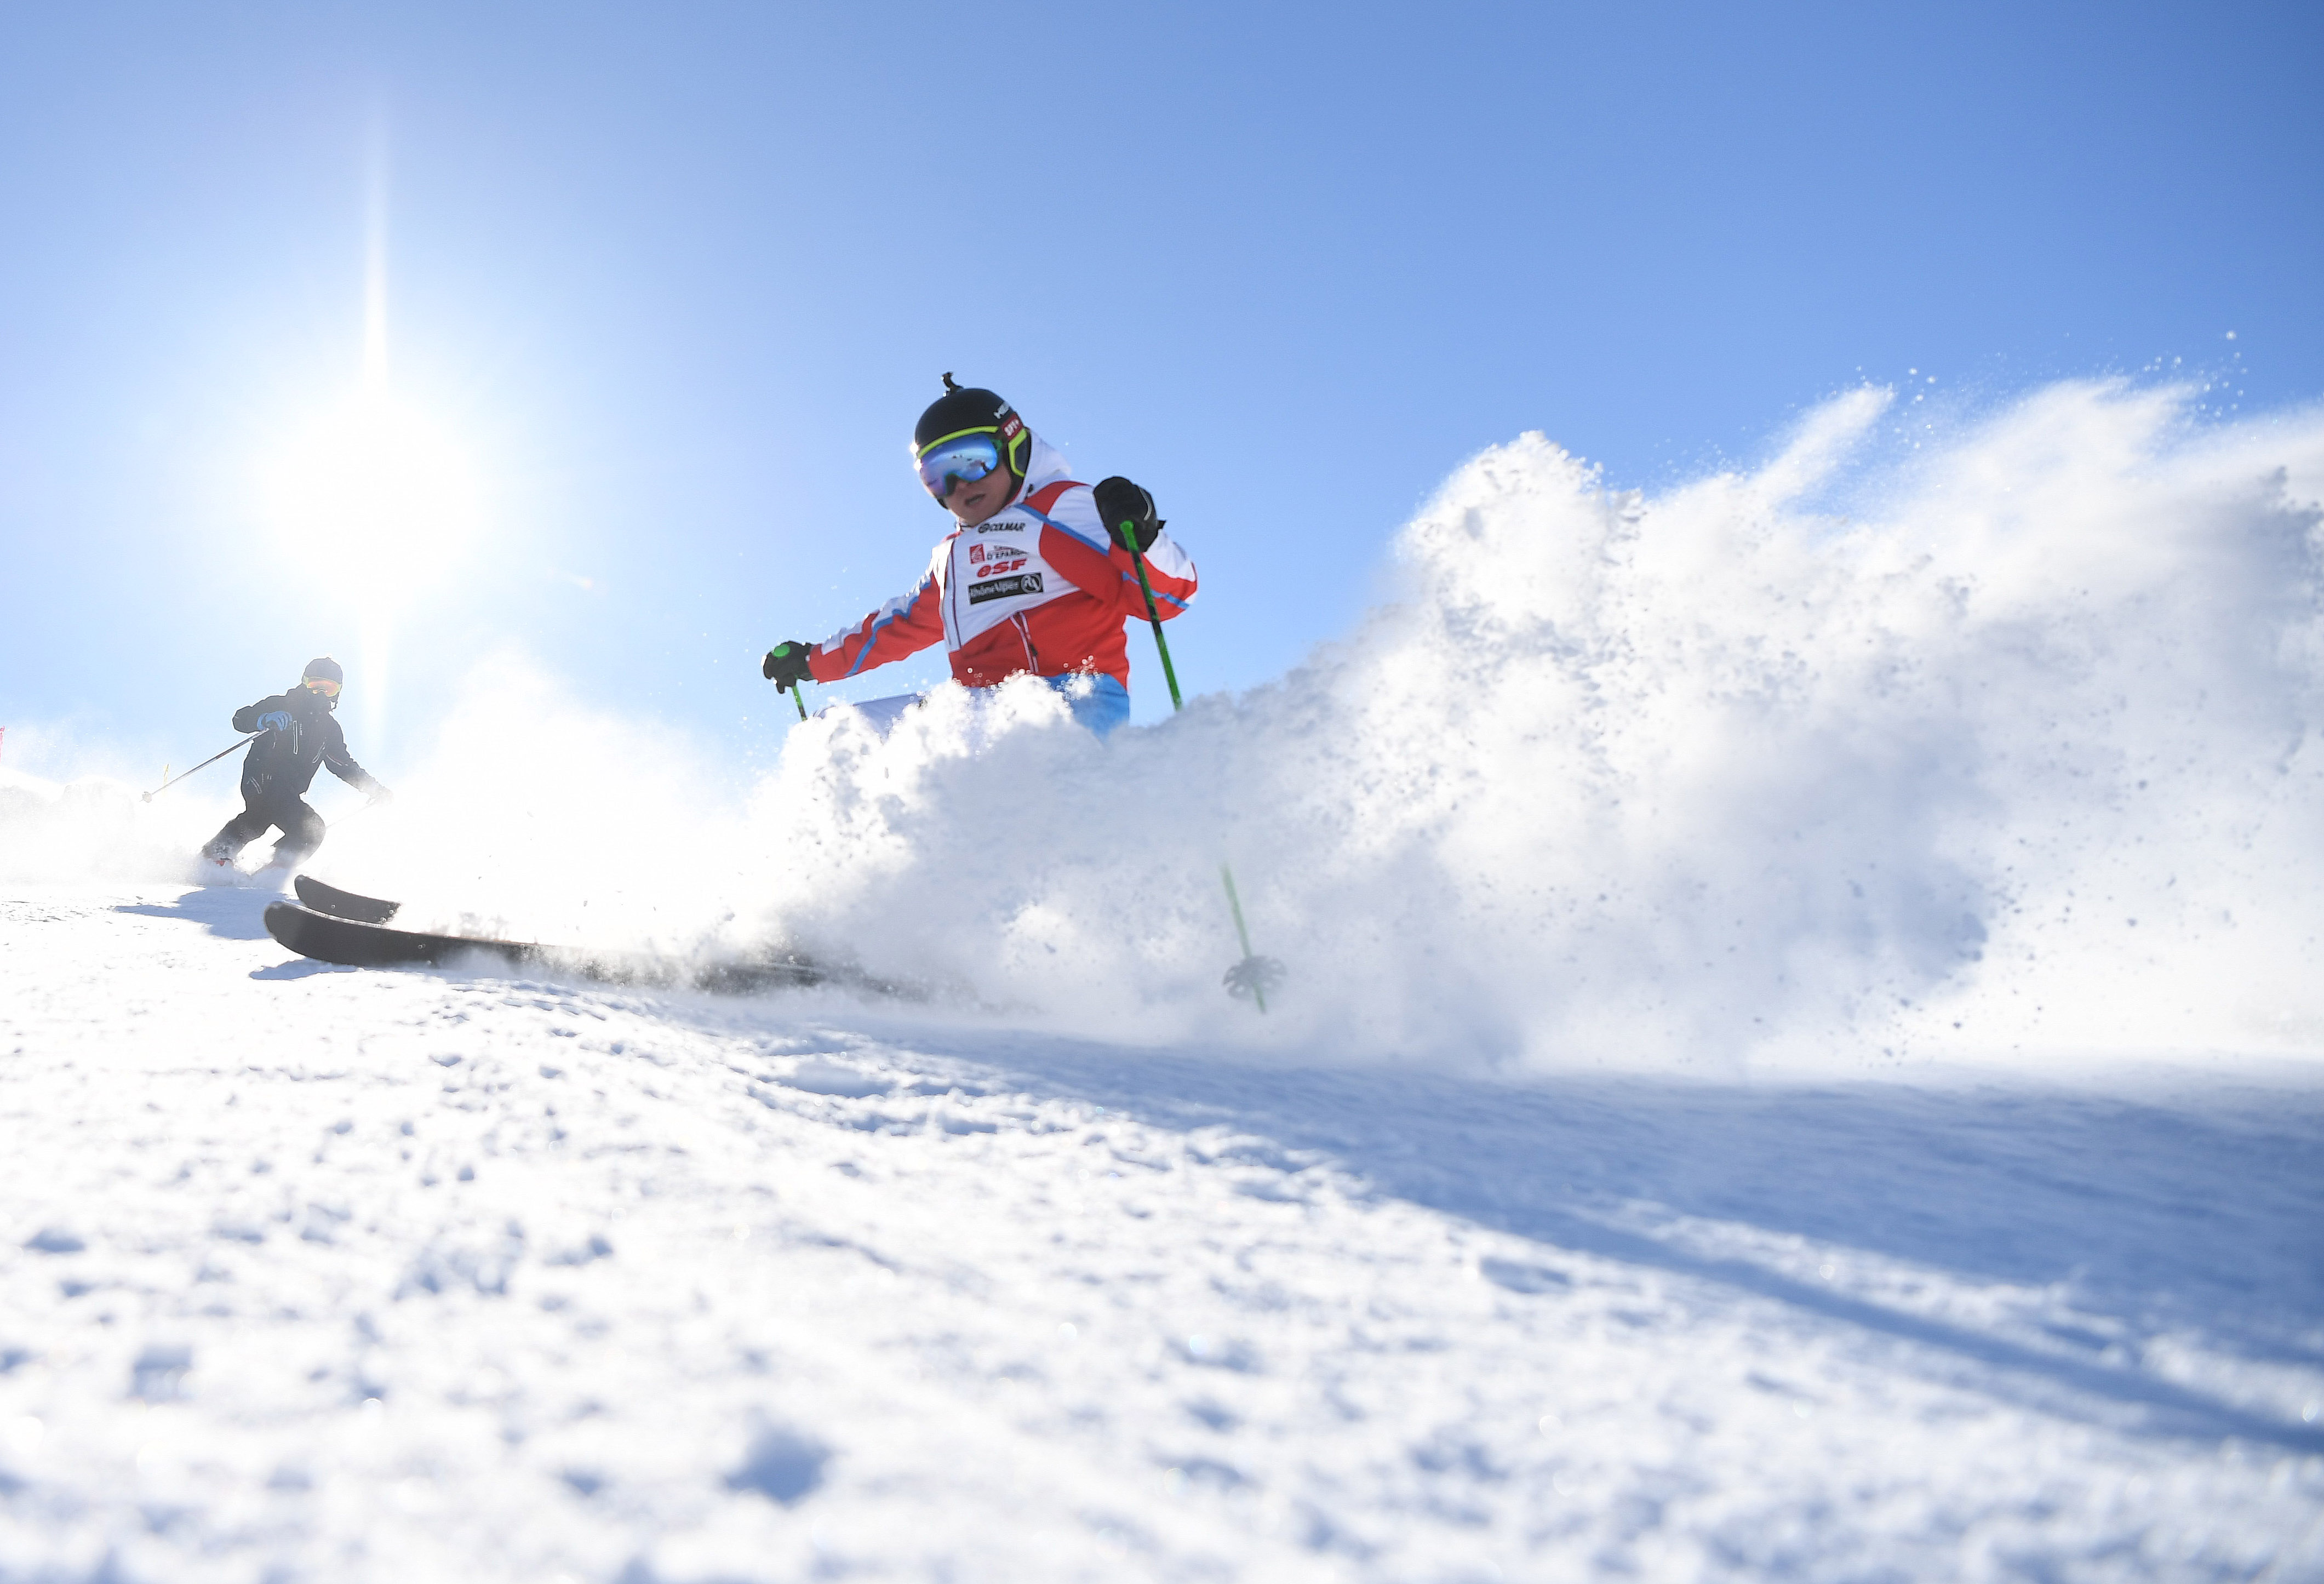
pixel 1914 742
pixel 1254 975
pixel 2000 740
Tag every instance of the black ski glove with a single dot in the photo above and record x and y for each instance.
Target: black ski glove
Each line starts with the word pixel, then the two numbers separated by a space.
pixel 786 665
pixel 1129 513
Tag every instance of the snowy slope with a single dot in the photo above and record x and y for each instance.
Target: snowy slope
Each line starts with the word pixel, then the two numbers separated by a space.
pixel 346 1274
pixel 1800 1061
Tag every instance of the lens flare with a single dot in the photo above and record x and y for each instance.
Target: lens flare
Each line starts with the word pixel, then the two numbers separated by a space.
pixel 374 494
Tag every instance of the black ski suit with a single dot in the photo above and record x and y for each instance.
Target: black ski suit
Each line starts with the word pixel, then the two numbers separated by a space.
pixel 300 735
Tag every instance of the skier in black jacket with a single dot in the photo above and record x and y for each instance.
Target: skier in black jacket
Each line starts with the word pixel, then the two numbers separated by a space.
pixel 300 735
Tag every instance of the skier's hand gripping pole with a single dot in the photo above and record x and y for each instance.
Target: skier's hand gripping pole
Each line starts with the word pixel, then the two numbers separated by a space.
pixel 786 666
pixel 1129 513
pixel 213 759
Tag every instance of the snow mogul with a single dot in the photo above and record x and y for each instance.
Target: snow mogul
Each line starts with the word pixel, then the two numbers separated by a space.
pixel 299 735
pixel 1037 577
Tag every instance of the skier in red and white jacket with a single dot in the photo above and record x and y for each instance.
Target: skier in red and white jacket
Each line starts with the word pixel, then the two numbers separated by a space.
pixel 1037 577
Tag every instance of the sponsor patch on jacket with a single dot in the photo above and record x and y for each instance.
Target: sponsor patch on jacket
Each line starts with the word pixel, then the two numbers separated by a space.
pixel 997 526
pixel 1003 588
pixel 984 561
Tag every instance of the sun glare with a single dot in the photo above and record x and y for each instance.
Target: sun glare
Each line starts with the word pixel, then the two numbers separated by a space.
pixel 375 493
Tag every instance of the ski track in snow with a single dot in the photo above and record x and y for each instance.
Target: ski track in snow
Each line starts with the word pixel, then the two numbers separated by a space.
pixel 316 1272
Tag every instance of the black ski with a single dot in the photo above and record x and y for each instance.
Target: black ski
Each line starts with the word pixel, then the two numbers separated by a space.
pixel 340 904
pixel 357 945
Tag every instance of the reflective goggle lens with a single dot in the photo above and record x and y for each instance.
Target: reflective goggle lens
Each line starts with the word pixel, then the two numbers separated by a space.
pixel 962 460
pixel 328 688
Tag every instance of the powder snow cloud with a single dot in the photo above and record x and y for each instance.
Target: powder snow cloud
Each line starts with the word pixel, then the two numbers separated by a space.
pixel 2003 741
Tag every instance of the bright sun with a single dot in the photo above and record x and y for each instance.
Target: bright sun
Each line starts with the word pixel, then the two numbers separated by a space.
pixel 373 494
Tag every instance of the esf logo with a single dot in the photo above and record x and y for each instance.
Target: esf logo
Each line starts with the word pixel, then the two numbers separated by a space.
pixel 1001 588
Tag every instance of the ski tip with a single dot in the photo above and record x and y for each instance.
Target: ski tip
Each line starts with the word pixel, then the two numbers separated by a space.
pixel 339 904
pixel 283 921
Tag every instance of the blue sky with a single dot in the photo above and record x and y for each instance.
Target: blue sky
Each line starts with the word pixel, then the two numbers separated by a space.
pixel 671 283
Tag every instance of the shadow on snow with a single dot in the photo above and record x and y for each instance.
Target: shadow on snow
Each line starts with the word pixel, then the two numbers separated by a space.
pixel 223 910
pixel 2145 1219
pixel 2127 1221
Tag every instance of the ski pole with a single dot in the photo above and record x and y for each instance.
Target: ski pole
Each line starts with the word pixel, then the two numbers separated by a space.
pixel 213 759
pixel 1254 972
pixel 799 701
pixel 1154 618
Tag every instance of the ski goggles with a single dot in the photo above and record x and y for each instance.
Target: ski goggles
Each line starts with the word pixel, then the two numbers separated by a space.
pixel 960 459
pixel 328 688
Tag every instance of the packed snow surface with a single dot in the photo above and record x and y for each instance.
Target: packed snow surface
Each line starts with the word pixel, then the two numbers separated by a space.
pixel 1800 1062
pixel 340 1275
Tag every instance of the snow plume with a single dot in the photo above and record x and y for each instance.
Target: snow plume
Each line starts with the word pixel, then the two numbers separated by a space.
pixel 2003 743
pixel 536 817
pixel 93 823
pixel 2019 754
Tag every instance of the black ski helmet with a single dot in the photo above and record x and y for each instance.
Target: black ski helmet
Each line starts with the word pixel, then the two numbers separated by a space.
pixel 968 409
pixel 323 669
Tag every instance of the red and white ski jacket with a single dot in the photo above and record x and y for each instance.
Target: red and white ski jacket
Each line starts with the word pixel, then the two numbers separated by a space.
pixel 1039 587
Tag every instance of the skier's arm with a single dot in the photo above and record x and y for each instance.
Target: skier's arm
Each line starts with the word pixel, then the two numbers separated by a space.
pixel 1076 543
pixel 342 764
pixel 1168 568
pixel 1136 529
pixel 252 717
pixel 354 774
pixel 905 625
